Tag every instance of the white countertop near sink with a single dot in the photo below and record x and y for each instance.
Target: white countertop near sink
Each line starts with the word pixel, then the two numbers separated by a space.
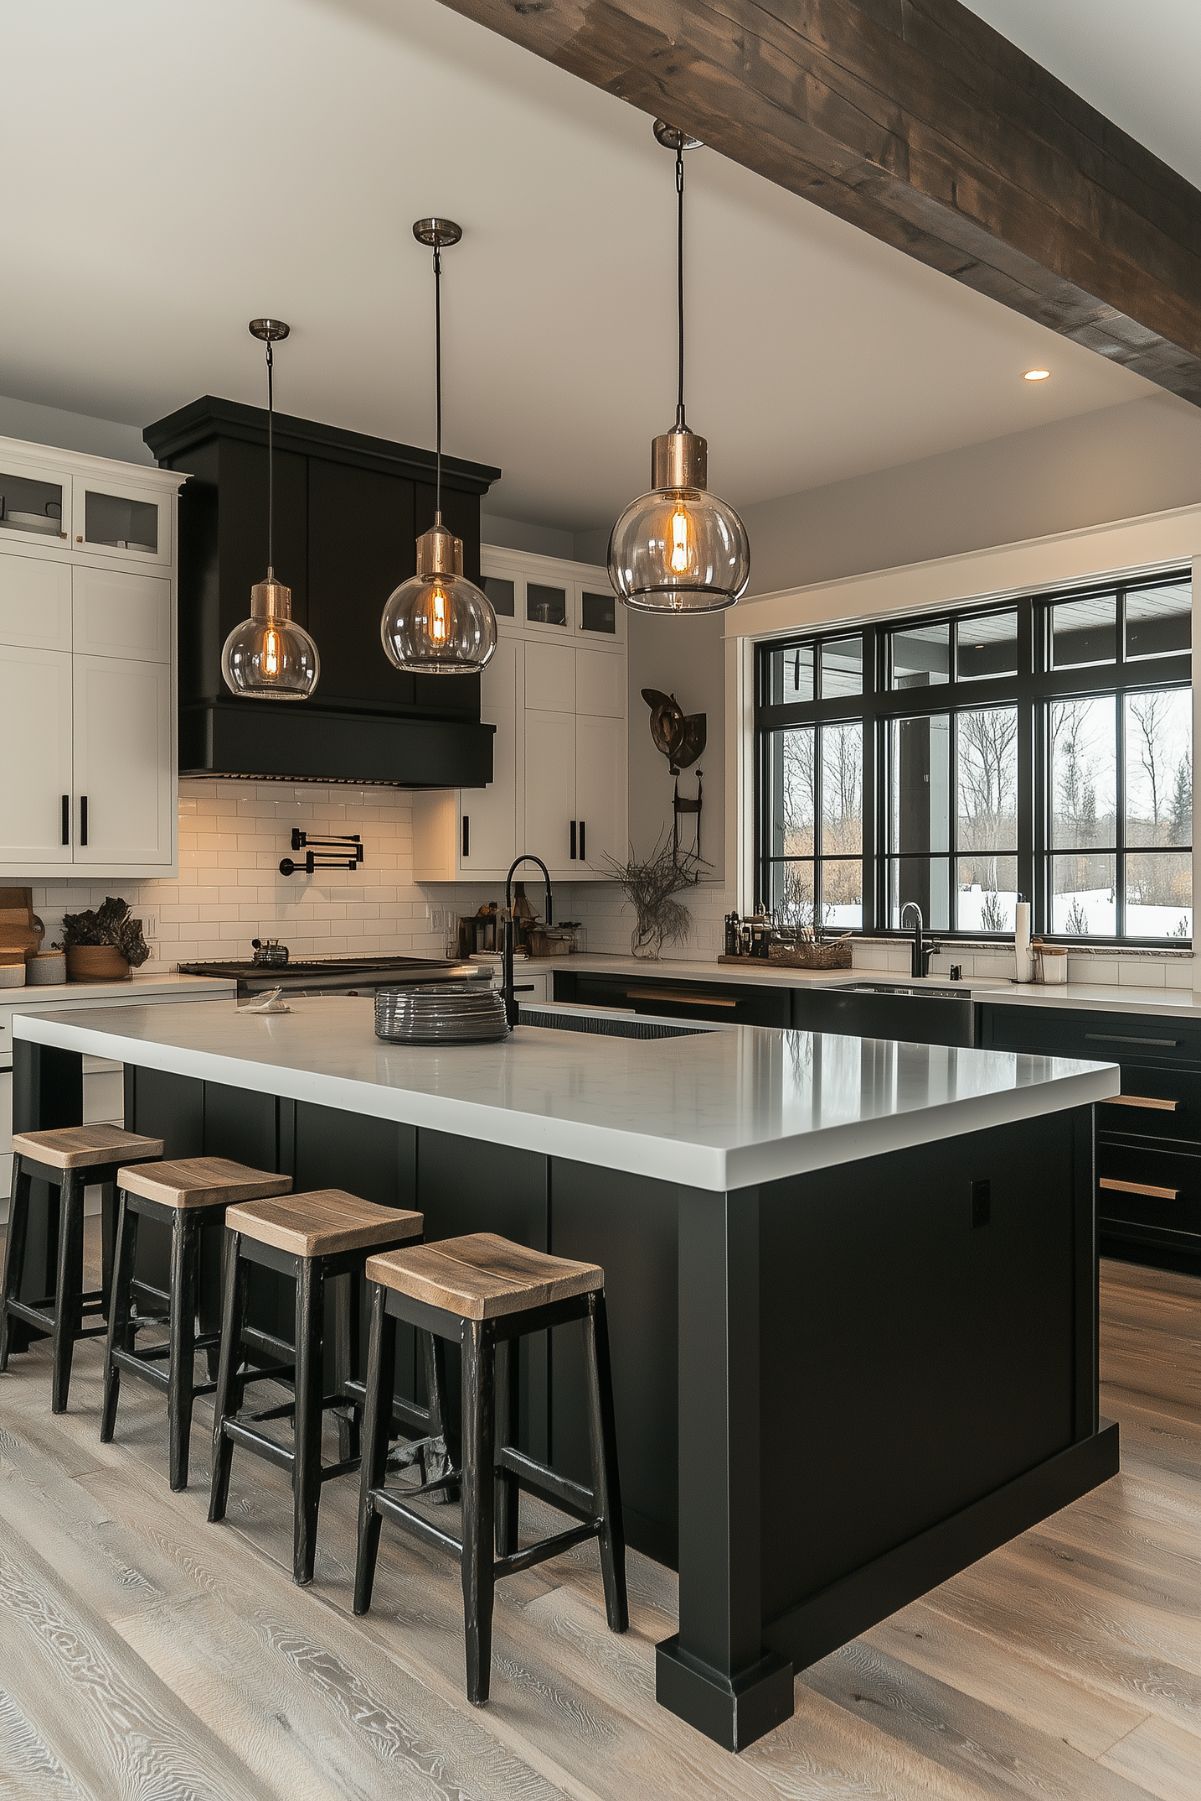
pixel 714 1110
pixel 1178 1003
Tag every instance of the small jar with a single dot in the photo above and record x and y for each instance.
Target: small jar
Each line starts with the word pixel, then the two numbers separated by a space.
pixel 1052 964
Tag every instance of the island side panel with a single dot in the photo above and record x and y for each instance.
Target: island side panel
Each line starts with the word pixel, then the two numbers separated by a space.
pixel 926 1346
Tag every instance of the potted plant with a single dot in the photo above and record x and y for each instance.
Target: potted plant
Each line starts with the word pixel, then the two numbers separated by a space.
pixel 103 944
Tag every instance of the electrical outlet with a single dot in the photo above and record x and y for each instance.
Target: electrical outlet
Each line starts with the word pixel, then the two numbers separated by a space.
pixel 149 926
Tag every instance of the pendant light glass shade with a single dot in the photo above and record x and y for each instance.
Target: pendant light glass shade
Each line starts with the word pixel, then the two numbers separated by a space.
pixel 269 656
pixel 678 548
pixel 437 622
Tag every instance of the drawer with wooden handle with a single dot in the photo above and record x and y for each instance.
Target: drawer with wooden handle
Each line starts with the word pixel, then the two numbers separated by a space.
pixel 1148 1188
pixel 1158 1101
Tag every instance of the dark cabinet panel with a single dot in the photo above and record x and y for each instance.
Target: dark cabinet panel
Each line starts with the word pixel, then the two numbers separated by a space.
pixel 1098 1037
pixel 361 546
pixel 726 1003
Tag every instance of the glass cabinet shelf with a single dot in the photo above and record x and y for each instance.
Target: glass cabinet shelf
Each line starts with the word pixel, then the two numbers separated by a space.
pixel 31 504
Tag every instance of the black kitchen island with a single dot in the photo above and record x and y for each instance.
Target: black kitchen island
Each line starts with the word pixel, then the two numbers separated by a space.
pixel 852 1284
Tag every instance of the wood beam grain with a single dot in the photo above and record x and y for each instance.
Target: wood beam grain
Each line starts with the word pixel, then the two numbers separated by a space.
pixel 917 122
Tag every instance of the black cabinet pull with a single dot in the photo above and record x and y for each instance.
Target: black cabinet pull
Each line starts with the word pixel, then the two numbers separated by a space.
pixel 1170 1044
pixel 583 828
pixel 573 841
pixel 66 819
pixel 466 834
pixel 83 819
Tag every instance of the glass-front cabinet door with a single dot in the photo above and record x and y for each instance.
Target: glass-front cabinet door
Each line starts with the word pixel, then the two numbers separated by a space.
pixel 34 504
pixel 546 605
pixel 599 614
pixel 112 520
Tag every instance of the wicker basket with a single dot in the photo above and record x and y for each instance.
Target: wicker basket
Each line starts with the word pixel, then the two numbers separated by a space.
pixel 835 953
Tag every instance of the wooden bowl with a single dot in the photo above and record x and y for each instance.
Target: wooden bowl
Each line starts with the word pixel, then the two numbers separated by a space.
pixel 96 963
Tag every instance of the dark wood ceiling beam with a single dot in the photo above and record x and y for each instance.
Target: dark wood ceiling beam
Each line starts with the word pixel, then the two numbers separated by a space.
pixel 917 122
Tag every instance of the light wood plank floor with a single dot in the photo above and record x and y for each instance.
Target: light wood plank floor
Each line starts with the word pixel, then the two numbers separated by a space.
pixel 148 1656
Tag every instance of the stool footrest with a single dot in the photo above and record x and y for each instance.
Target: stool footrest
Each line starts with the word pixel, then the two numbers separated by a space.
pixel 139 1363
pixel 385 1502
pixel 266 1447
pixel 343 1468
pixel 545 1548
pixel 32 1315
pixel 548 1484
pixel 267 1372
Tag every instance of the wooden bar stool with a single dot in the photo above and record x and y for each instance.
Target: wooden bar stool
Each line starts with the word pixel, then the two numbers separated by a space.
pixel 188 1195
pixel 69 1158
pixel 484 1293
pixel 312 1238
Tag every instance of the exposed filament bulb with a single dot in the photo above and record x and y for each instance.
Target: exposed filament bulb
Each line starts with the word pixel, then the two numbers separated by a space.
pixel 681 545
pixel 271 652
pixel 437 624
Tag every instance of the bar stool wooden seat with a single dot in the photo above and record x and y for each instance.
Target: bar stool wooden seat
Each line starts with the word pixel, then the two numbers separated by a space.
pixel 484 1293
pixel 313 1238
pixel 69 1158
pixel 189 1195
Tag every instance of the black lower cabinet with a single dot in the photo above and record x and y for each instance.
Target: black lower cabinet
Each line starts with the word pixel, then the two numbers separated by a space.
pixel 1149 1141
pixel 725 1003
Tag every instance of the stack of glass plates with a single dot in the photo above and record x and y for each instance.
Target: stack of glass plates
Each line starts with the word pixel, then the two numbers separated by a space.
pixel 440 1013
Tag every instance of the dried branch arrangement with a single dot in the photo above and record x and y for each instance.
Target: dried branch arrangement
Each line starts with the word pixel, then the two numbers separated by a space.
pixel 650 884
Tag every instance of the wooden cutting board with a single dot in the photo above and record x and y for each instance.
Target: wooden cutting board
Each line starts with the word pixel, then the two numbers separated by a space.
pixel 21 931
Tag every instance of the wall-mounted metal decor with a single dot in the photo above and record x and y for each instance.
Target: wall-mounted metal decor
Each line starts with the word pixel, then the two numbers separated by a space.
pixel 681 737
pixel 323 853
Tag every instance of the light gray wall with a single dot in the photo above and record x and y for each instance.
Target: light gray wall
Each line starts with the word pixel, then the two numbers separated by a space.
pixel 71 431
pixel 1142 457
pixel 516 534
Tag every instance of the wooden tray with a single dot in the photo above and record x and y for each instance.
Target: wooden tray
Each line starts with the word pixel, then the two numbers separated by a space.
pixel 21 931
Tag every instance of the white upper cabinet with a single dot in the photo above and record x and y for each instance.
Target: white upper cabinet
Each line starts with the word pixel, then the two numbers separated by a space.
pixel 119 519
pixel 35 602
pixel 125 794
pixel 556 691
pixel 87 664
pixel 117 613
pixel 36 755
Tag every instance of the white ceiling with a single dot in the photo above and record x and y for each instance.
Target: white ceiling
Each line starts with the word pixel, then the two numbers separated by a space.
pixel 172 171
pixel 1136 64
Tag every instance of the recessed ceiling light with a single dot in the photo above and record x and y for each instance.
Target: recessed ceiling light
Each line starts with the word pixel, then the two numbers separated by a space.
pixel 1037 375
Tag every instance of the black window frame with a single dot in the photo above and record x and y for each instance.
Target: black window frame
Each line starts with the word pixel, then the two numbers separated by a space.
pixel 1031 690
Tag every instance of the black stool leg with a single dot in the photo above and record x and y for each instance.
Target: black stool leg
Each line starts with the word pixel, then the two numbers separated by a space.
pixel 508 1495
pixel 348 1315
pixel 602 1437
pixel 108 1239
pixel 119 1303
pixel 479 1570
pixel 306 1468
pixel 381 1361
pixel 181 1368
pixel 225 1401
pixel 14 1253
pixel 68 1289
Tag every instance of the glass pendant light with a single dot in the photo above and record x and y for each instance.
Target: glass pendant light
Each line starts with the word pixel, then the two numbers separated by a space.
pixel 438 623
pixel 269 656
pixel 679 549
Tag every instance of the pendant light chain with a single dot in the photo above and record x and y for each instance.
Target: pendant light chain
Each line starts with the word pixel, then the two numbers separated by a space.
pixel 270 461
pixel 681 422
pixel 438 385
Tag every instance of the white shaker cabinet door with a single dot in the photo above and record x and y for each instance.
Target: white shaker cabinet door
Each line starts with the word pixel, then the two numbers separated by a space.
pixel 123 773
pixel 120 613
pixel 601 790
pixel 35 603
pixel 600 683
pixel 550 815
pixel 488 816
pixel 35 755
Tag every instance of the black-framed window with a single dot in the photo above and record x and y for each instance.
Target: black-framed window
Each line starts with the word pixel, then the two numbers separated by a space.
pixel 1041 746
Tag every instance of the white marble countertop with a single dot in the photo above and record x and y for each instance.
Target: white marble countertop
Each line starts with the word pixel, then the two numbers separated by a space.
pixel 1180 1003
pixel 135 989
pixel 714 1110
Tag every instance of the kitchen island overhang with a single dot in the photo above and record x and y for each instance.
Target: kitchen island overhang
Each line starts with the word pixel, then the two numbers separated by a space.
pixel 852 1284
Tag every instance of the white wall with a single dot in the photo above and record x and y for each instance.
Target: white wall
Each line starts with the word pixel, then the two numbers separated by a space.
pixel 71 431
pixel 1119 463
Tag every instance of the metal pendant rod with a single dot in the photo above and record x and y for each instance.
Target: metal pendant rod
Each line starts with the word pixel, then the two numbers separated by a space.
pixel 270 461
pixel 681 423
pixel 438 384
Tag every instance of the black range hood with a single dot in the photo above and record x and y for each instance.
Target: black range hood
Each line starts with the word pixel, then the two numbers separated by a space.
pixel 348 509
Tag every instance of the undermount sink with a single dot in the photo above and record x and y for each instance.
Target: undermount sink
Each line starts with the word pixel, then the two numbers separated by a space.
pixel 607 1024
pixel 910 988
